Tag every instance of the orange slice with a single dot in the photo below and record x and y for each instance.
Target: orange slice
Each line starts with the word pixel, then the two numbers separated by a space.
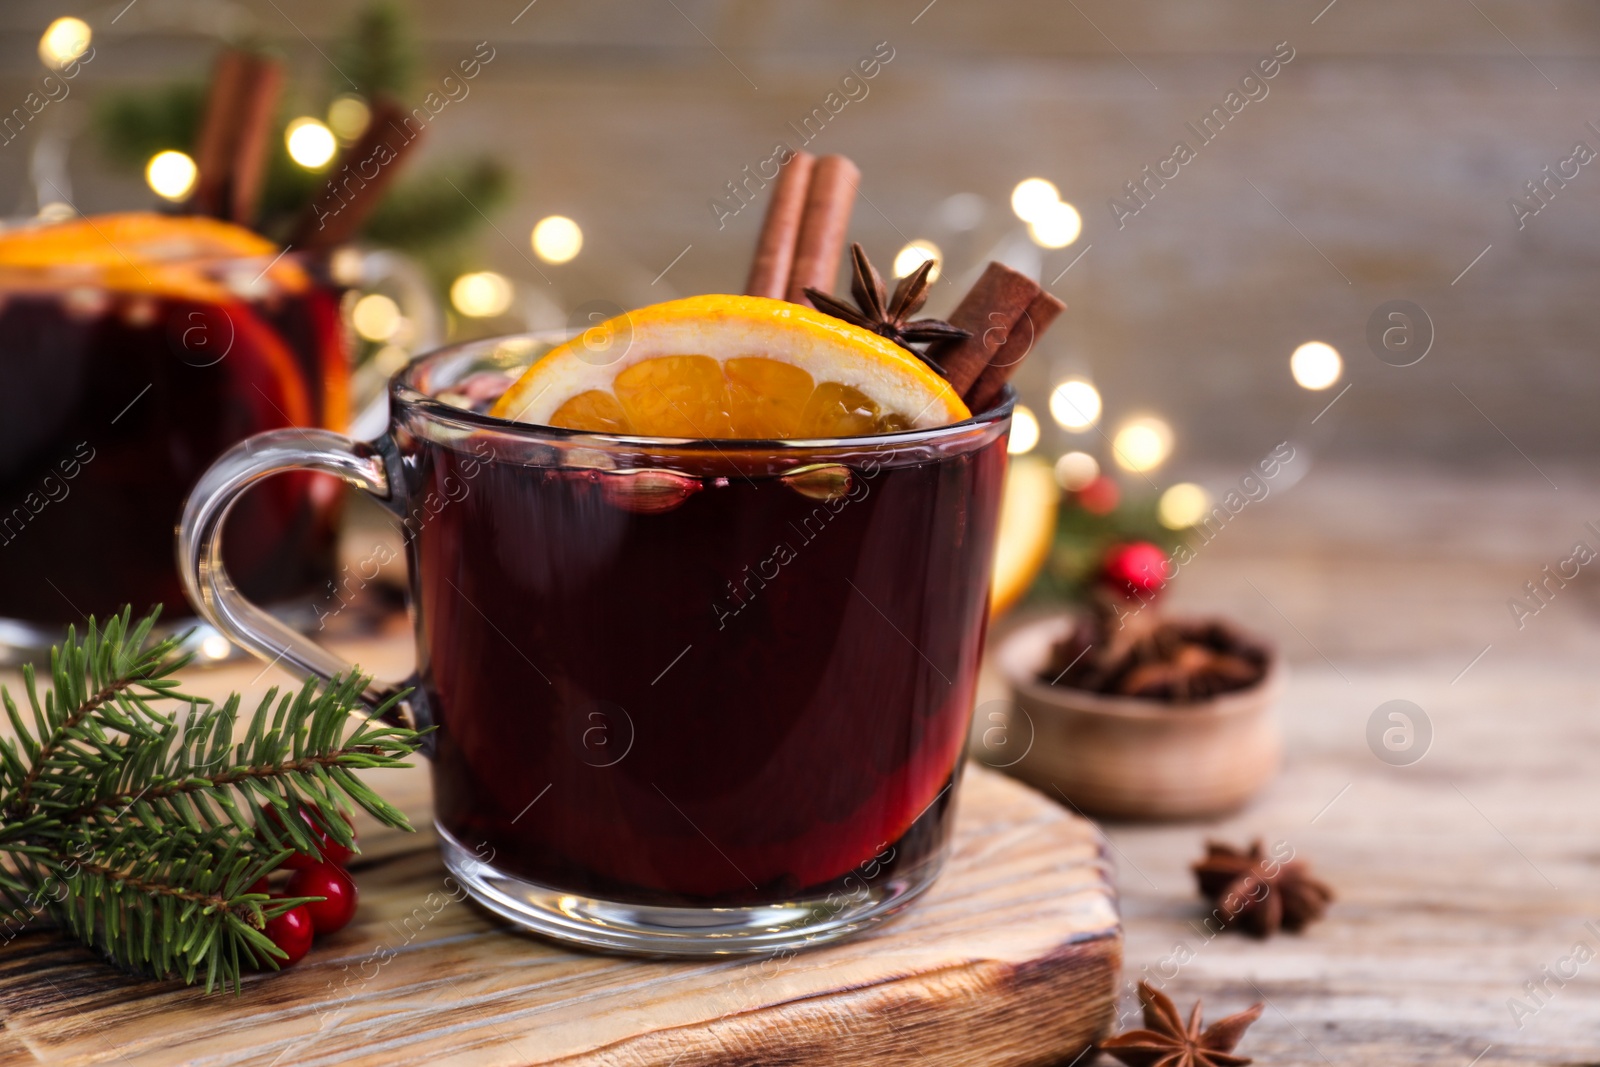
pixel 1027 530
pixel 740 367
pixel 141 251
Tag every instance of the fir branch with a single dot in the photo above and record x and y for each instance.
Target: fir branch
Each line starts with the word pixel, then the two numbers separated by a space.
pixel 140 829
pixel 441 208
pixel 133 125
pixel 111 660
pixel 178 906
pixel 206 783
pixel 378 51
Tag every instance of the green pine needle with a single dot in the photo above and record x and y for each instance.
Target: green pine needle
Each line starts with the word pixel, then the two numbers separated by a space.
pixel 378 53
pixel 138 816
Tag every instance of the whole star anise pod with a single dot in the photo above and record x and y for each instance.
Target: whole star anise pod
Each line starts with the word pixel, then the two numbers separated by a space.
pixel 1167 1042
pixel 1188 671
pixel 1128 649
pixel 1258 893
pixel 888 316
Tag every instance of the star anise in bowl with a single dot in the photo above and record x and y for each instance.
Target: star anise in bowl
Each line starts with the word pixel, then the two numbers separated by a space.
pixel 1180 661
pixel 888 316
pixel 1125 647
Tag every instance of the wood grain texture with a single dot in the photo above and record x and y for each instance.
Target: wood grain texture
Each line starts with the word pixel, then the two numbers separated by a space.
pixel 1010 959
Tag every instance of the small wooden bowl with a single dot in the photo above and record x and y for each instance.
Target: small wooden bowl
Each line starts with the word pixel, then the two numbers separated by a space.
pixel 1133 757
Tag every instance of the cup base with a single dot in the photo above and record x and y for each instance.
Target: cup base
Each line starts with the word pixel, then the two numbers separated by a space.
pixel 662 932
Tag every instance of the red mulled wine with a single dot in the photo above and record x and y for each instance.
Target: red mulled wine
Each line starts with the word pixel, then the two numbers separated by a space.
pixel 135 350
pixel 727 688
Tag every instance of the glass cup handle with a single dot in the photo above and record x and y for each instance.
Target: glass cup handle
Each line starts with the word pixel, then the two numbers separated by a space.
pixel 206 581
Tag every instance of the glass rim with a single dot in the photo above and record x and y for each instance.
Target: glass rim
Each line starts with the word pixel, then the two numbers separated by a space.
pixel 405 396
pixel 60 275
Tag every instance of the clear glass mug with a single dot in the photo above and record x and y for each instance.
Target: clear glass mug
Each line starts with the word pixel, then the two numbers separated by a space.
pixel 136 348
pixel 690 697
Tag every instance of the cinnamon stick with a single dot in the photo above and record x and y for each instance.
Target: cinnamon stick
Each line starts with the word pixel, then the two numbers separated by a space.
pixel 988 313
pixel 263 83
pixel 1019 342
pixel 214 150
pixel 363 174
pixel 780 229
pixel 231 153
pixel 829 199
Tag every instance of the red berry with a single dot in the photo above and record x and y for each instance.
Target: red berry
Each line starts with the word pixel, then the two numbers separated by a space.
pixel 259 886
pixel 327 849
pixel 1135 568
pixel 331 882
pixel 291 932
pixel 1100 497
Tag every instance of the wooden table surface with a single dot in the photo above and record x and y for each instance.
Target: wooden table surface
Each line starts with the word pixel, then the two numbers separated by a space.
pixel 1009 960
pixel 1460 876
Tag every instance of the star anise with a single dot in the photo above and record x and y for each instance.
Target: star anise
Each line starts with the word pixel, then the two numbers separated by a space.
pixel 1133 651
pixel 1190 671
pixel 888 316
pixel 1258 893
pixel 1167 1042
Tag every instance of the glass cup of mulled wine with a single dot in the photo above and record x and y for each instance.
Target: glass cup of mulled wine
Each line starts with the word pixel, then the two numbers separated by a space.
pixel 687 697
pixel 137 348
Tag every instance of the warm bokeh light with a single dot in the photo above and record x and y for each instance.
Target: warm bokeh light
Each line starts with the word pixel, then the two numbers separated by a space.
pixel 1057 227
pixel 1142 444
pixel 482 294
pixel 1024 430
pixel 914 255
pixel 64 40
pixel 215 646
pixel 171 174
pixel 311 144
pixel 557 239
pixel 1075 470
pixel 1182 505
pixel 1315 365
pixel 376 317
pixel 348 116
pixel 347 266
pixel 1033 198
pixel 1075 405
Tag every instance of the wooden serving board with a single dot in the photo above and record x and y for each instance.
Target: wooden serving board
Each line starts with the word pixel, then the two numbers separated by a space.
pixel 1011 958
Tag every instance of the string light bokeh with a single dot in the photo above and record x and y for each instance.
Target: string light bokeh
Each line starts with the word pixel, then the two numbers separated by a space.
pixel 311 143
pixel 171 174
pixel 557 239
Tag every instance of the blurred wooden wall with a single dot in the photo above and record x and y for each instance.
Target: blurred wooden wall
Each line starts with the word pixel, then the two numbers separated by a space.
pixel 1377 167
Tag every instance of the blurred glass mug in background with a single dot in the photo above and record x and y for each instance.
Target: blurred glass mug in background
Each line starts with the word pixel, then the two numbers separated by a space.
pixel 136 348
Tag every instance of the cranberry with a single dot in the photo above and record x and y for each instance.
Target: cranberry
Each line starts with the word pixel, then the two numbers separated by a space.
pixel 291 932
pixel 334 884
pixel 1135 568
